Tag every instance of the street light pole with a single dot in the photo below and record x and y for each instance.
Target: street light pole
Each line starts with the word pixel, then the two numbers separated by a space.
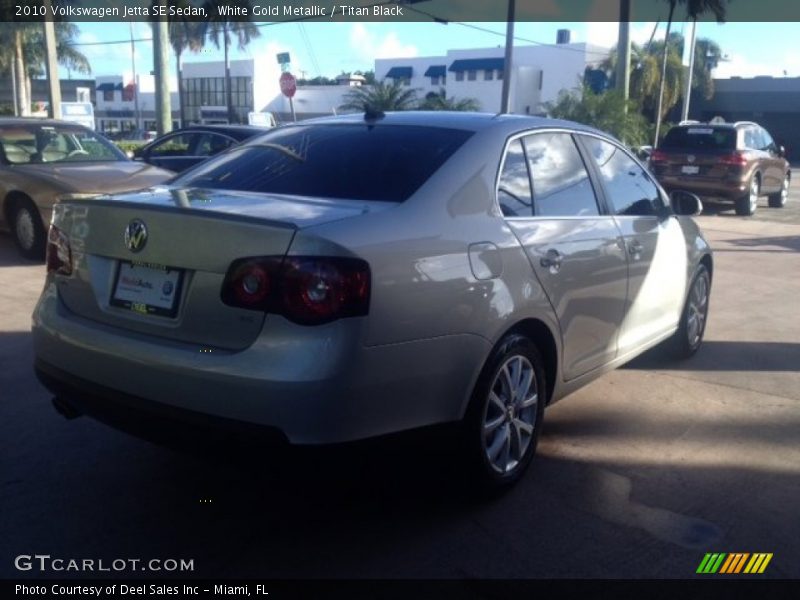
pixel 135 83
pixel 689 71
pixel 624 50
pixel 505 103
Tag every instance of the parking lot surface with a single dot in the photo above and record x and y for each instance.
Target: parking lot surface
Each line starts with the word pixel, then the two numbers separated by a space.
pixel 638 475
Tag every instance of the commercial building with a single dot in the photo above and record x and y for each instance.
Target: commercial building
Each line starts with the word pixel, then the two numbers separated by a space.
pixel 118 110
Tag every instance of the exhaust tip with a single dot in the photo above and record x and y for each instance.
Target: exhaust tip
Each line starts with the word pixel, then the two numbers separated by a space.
pixel 65 409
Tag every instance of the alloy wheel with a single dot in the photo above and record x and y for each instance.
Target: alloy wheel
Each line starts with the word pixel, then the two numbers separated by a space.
pixel 698 310
pixel 25 229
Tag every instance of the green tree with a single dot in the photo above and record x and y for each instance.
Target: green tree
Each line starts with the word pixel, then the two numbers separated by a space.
pixel 694 9
pixel 381 96
pixel 440 101
pixel 604 111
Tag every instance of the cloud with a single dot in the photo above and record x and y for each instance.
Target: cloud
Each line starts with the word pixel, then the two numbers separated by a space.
pixel 739 66
pixel 605 33
pixel 369 46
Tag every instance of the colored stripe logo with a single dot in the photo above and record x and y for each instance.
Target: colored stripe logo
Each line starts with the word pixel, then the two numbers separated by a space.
pixel 734 563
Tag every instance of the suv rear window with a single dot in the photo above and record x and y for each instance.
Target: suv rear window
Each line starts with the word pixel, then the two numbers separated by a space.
pixel 699 137
pixel 358 161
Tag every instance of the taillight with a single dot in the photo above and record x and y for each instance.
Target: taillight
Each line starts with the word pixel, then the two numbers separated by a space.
pixel 309 290
pixel 658 156
pixel 59 253
pixel 737 159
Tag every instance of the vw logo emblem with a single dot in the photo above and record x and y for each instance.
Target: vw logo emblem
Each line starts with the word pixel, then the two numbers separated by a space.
pixel 136 235
pixel 690 158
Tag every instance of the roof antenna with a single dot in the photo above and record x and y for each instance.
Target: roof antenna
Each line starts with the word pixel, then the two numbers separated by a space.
pixel 371 113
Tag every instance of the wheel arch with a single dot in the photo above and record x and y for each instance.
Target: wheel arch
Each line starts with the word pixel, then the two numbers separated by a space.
pixel 540 334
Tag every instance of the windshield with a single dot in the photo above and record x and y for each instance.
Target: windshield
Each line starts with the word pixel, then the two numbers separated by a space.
pixel 36 144
pixel 700 138
pixel 352 161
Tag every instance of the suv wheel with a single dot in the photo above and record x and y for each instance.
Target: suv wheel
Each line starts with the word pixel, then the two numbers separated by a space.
pixel 504 419
pixel 778 199
pixel 27 230
pixel 746 205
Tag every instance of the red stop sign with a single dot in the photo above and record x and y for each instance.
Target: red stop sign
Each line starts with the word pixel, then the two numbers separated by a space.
pixel 288 84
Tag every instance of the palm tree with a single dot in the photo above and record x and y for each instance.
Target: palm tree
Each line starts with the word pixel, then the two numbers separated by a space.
pixel 184 35
pixel 220 31
pixel 381 97
pixel 440 101
pixel 694 8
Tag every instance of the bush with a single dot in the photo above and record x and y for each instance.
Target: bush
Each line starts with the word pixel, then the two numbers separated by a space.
pixel 129 145
pixel 604 111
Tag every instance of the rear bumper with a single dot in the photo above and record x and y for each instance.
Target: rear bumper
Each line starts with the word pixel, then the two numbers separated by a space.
pixel 310 385
pixel 711 188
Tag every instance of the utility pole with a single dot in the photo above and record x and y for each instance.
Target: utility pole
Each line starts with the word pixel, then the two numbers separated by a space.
pixel 161 69
pixel 624 51
pixel 137 125
pixel 689 71
pixel 51 66
pixel 505 101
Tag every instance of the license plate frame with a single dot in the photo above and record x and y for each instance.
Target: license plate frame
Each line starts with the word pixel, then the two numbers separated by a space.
pixel 150 290
pixel 690 169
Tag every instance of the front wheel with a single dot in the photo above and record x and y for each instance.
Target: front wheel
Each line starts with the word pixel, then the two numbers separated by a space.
pixel 779 198
pixel 27 230
pixel 504 419
pixel 747 205
pixel 695 314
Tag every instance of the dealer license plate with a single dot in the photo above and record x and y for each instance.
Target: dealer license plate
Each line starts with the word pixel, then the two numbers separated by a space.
pixel 147 289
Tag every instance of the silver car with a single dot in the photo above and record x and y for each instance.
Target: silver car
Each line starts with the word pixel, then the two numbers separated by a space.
pixel 349 277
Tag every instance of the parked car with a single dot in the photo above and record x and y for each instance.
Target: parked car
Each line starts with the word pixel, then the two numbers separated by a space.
pixel 734 161
pixel 42 161
pixel 349 277
pixel 184 148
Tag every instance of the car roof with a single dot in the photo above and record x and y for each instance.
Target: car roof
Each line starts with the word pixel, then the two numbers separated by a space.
pixel 238 131
pixel 38 121
pixel 473 121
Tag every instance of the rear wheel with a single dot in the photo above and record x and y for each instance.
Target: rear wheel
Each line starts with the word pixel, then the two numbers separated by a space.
pixel 778 199
pixel 692 327
pixel 504 419
pixel 746 205
pixel 27 230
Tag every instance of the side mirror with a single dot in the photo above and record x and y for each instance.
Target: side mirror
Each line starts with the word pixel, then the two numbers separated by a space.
pixel 685 203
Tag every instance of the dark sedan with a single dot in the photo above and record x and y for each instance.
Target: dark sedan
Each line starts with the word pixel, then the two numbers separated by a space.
pixel 184 148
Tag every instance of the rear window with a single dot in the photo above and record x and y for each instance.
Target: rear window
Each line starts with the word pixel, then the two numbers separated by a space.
pixel 700 138
pixel 359 162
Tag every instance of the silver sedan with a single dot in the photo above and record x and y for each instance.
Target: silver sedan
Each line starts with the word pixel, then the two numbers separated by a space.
pixel 350 277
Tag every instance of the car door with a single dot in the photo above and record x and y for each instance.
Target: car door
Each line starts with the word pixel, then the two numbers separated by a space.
pixel 574 248
pixel 174 152
pixel 773 169
pixel 653 240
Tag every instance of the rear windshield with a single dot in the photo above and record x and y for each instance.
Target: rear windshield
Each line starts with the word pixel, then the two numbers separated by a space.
pixel 700 138
pixel 358 161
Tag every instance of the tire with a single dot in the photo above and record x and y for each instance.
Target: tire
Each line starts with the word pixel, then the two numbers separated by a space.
pixel 692 327
pixel 501 428
pixel 27 230
pixel 778 199
pixel 746 205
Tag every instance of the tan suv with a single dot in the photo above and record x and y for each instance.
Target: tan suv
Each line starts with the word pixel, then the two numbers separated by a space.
pixel 734 161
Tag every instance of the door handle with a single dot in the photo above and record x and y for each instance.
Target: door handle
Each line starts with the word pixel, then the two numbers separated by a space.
pixel 635 248
pixel 552 260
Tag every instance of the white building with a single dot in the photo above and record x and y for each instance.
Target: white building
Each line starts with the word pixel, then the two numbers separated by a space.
pixel 538 73
pixel 115 103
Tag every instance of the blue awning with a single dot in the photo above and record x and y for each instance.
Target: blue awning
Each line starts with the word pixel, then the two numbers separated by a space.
pixel 399 73
pixel 477 64
pixel 105 87
pixel 118 87
pixel 436 71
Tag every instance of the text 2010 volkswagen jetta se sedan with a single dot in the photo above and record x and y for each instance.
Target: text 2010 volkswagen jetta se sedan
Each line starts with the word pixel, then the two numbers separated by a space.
pixel 344 278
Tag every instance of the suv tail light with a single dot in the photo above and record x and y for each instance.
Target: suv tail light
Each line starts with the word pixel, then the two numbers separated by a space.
pixel 737 159
pixel 658 156
pixel 59 253
pixel 308 290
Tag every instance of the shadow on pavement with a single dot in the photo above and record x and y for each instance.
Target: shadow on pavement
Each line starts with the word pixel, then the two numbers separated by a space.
pixel 716 355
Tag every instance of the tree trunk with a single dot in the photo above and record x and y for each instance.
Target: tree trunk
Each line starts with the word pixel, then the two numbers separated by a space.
pixel 663 73
pixel 181 112
pixel 23 100
pixel 228 90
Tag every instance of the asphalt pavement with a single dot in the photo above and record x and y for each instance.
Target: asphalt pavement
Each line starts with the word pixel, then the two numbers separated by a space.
pixel 638 475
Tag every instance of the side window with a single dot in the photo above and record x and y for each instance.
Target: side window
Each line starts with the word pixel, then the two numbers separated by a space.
pixel 177 145
pixel 211 144
pixel 514 188
pixel 561 185
pixel 767 143
pixel 751 139
pixel 630 191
